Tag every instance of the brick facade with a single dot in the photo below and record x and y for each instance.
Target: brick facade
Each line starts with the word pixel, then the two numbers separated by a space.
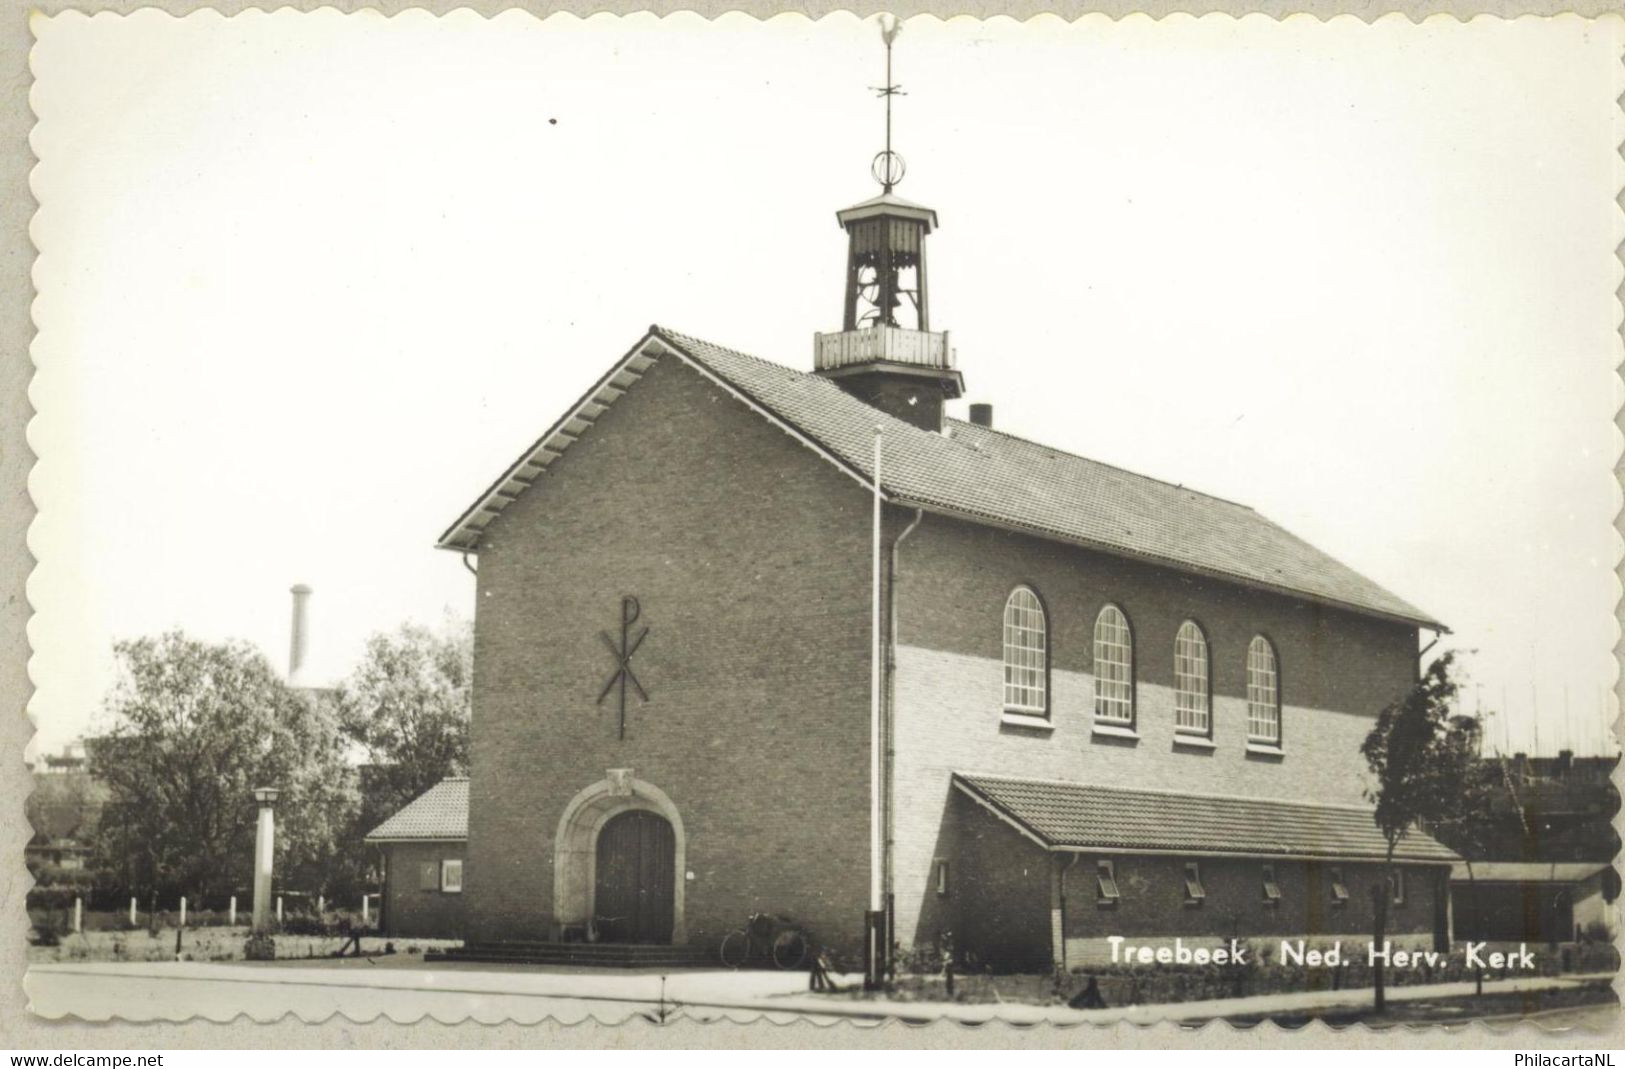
pixel 739 543
pixel 413 910
pixel 1008 900
pixel 1337 670
pixel 749 553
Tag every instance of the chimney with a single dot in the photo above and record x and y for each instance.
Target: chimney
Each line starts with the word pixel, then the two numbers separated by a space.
pixel 982 415
pixel 299 639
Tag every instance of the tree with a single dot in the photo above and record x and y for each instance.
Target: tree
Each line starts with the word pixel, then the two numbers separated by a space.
pixel 1467 824
pixel 66 805
pixel 196 727
pixel 406 706
pixel 1424 757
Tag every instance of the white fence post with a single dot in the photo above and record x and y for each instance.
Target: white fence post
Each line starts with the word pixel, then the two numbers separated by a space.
pixel 183 911
pixel 78 915
pixel 321 905
pixel 366 900
pixel 132 911
pixel 279 909
pixel 233 912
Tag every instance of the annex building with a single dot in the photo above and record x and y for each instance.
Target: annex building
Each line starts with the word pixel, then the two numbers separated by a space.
pixel 754 637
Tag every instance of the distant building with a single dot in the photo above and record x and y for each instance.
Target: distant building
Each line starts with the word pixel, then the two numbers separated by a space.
pixel 64 808
pixel 72 759
pixel 1546 872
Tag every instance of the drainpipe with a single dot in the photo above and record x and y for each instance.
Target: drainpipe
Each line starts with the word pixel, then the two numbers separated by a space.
pixel 1422 654
pixel 1060 910
pixel 877 900
pixel 891 690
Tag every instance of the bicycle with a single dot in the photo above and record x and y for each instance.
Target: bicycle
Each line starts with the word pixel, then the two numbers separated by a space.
pixel 765 937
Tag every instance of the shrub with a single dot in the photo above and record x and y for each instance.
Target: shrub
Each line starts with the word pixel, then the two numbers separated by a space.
pixel 310 924
pixel 260 947
pixel 53 897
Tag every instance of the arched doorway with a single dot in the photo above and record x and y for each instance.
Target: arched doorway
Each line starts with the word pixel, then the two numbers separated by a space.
pixel 633 878
pixel 576 855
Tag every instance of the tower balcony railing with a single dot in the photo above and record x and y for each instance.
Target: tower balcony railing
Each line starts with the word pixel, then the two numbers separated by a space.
pixel 897 345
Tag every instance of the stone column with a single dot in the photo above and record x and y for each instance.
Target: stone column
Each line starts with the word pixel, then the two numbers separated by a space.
pixel 264 846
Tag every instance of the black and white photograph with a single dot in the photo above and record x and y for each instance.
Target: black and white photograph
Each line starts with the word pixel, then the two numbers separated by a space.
pixel 647 520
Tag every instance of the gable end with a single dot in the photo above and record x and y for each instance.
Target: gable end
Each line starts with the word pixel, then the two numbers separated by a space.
pixel 464 535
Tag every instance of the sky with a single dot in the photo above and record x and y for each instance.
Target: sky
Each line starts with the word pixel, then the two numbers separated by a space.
pixel 308 282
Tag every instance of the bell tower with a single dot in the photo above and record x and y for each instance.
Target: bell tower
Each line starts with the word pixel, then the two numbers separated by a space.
pixel 886 353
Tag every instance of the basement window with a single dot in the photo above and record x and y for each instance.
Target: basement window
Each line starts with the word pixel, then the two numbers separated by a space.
pixel 1106 883
pixel 1272 890
pixel 451 876
pixel 1340 891
pixel 942 877
pixel 1193 884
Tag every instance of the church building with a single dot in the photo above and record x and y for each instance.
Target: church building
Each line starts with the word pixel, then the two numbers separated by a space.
pixel 752 637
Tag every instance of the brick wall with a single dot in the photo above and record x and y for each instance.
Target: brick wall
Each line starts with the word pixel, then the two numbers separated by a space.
pixel 1004 887
pixel 998 901
pixel 747 552
pixel 749 556
pixel 1337 670
pixel 410 909
pixel 1153 892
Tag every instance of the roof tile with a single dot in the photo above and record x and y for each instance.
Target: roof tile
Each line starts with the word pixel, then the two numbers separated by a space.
pixel 1087 816
pixel 988 474
pixel 441 812
pixel 991 477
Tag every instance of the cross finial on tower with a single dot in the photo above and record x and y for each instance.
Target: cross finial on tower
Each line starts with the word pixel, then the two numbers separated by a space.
pixel 888 166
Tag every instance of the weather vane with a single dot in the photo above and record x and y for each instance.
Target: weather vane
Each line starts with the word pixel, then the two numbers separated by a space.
pixel 888 166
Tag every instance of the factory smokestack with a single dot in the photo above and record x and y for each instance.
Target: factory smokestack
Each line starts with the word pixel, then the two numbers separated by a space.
pixel 299 638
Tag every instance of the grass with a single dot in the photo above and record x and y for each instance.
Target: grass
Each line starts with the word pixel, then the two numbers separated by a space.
pixel 200 944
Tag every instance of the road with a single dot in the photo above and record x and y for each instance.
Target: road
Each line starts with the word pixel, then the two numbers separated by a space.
pixel 404 991
pixel 136 993
pixel 1599 1018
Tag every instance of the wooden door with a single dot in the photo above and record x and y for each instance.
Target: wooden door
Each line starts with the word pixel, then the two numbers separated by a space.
pixel 634 882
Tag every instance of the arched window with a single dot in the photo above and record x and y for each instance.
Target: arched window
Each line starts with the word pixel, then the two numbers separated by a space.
pixel 1191 703
pixel 1263 692
pixel 1114 667
pixel 1026 654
